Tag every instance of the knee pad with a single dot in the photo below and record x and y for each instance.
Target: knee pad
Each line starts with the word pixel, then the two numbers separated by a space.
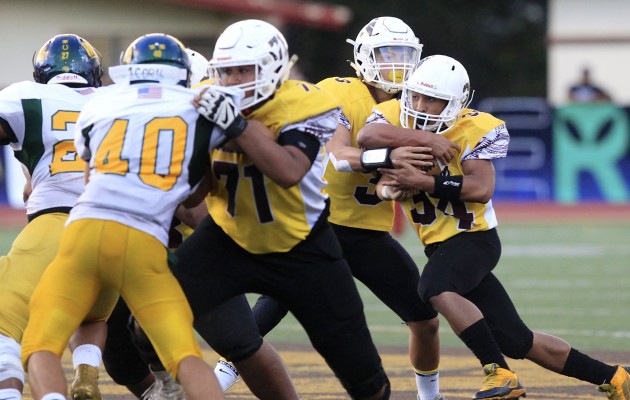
pixel 514 344
pixel 121 358
pixel 387 393
pixel 10 361
pixel 268 312
pixel 369 388
pixel 235 344
pixel 143 344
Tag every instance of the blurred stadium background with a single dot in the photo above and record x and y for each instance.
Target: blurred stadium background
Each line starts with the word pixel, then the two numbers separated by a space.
pixel 522 57
pixel 562 193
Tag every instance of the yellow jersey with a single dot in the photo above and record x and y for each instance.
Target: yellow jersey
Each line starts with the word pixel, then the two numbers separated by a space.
pixel 479 136
pixel 258 214
pixel 353 199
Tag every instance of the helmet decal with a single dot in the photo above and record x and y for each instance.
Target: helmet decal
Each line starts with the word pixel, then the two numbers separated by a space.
pixel 157 49
pixel 164 54
pixel 67 59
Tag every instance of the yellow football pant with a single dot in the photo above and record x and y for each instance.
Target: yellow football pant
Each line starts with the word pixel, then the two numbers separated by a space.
pixel 97 260
pixel 20 270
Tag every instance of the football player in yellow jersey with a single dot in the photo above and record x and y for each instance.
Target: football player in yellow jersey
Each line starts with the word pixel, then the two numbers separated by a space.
pixel 385 52
pixel 267 231
pixel 453 214
pixel 37 121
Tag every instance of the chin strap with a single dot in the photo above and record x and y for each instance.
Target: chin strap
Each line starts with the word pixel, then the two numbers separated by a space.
pixel 375 85
pixel 470 98
pixel 355 68
pixel 294 59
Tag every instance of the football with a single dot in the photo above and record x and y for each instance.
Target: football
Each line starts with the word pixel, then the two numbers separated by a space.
pixel 396 194
pixel 435 169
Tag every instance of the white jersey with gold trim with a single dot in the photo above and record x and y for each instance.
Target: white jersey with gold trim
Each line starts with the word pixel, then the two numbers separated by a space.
pixel 148 149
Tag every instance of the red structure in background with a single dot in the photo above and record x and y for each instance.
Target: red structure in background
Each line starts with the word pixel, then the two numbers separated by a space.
pixel 400 221
pixel 300 12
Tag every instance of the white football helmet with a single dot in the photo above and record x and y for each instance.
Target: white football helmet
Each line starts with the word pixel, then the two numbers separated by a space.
pixel 385 52
pixel 441 77
pixel 198 66
pixel 252 42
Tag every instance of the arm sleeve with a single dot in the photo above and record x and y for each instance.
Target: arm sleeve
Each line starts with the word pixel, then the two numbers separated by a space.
pixel 493 145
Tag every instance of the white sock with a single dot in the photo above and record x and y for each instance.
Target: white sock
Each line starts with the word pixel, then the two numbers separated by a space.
pixel 226 374
pixel 54 396
pixel 10 394
pixel 161 375
pixel 428 385
pixel 86 354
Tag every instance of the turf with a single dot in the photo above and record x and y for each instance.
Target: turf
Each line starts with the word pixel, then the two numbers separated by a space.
pixel 569 279
pixel 565 279
pixel 566 276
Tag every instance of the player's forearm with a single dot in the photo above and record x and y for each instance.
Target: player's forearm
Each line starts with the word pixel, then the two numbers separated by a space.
pixel 376 135
pixel 192 216
pixel 285 165
pixel 346 155
pixel 476 189
pixel 384 135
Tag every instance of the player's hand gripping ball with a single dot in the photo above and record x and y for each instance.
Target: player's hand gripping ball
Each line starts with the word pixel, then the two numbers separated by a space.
pixel 435 169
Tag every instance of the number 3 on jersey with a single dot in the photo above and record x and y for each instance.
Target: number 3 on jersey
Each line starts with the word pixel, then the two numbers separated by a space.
pixel 109 158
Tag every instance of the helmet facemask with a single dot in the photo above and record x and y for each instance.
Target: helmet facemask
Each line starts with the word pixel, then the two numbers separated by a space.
pixel 385 52
pixel 256 90
pixel 198 66
pixel 439 77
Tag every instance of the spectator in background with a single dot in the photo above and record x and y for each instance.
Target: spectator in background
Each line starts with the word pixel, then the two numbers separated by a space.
pixel 587 92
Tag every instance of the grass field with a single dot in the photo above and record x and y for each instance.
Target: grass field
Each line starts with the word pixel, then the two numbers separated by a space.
pixel 569 279
pixel 567 276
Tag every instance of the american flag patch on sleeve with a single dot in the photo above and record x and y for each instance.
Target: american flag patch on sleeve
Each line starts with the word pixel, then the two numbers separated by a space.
pixel 152 92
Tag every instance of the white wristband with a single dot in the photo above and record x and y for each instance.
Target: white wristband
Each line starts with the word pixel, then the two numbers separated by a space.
pixel 340 165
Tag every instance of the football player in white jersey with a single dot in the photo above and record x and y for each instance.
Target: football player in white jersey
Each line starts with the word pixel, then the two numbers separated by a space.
pixel 453 214
pixel 123 360
pixel 37 121
pixel 146 151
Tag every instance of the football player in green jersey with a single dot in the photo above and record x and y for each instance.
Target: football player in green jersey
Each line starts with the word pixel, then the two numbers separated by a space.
pixel 37 120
